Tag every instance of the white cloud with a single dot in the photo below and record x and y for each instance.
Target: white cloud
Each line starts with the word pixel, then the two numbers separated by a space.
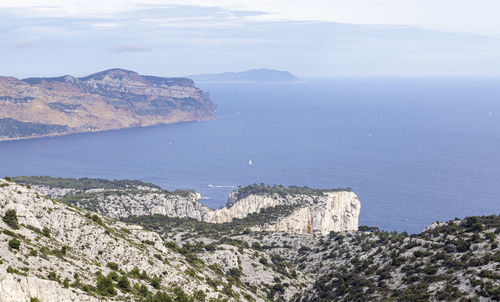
pixel 20 44
pixel 233 35
pixel 119 48
pixel 479 16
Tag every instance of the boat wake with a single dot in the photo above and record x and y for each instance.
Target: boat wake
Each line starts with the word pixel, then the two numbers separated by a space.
pixel 214 186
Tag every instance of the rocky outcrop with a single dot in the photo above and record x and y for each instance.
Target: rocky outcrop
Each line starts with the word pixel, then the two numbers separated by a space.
pixel 22 289
pixel 111 99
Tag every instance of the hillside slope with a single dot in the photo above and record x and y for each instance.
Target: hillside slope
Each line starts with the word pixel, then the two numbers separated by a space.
pixel 52 251
pixel 175 257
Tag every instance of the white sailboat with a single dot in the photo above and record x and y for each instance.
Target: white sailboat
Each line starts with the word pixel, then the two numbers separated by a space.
pixel 250 162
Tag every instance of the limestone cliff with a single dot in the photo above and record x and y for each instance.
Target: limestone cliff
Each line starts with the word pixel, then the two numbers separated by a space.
pixel 336 211
pixel 111 99
pixel 330 211
pixel 302 210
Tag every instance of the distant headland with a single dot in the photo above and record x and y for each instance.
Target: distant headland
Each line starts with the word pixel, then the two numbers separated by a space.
pixel 261 75
pixel 107 100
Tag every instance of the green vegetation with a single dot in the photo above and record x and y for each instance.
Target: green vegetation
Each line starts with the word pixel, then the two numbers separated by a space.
pixel 14 243
pixel 82 184
pixel 165 224
pixel 10 218
pixel 280 190
pixel 105 285
pixel 441 258
pixel 46 232
pixel 14 128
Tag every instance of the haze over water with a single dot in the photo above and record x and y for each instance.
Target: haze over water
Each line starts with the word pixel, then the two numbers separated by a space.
pixel 415 150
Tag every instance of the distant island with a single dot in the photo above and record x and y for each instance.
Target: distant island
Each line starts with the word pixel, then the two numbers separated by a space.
pixel 254 75
pixel 107 100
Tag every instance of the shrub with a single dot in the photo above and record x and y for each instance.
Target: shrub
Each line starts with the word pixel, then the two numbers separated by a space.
pixel 143 290
pixel 180 295
pixel 10 218
pixel 105 286
pixel 462 246
pixel 14 243
pixel 476 227
pixel 235 273
pixel 135 272
pixel 113 275
pixel 199 295
pixel 112 265
pixel 156 282
pixel 96 219
pixel 256 246
pixel 124 284
pixel 46 232
pixel 52 276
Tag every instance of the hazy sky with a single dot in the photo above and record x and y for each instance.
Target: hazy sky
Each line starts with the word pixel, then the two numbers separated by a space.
pixel 308 38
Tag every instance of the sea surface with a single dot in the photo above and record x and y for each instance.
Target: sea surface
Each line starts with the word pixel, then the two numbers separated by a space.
pixel 415 150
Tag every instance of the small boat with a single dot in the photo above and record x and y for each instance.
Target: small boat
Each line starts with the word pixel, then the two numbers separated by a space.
pixel 250 162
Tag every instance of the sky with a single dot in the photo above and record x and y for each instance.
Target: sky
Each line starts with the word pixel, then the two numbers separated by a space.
pixel 315 38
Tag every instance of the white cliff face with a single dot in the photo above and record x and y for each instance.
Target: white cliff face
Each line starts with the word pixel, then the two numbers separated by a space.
pixel 336 211
pixel 248 205
pixel 142 201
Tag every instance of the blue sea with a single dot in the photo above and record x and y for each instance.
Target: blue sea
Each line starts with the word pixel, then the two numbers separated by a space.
pixel 415 150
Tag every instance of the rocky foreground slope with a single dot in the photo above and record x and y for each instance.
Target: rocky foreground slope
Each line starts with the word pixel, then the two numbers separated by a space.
pixel 53 251
pixel 301 210
pixel 110 99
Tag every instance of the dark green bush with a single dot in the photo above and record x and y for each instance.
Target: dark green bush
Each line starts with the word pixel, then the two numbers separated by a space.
pixel 10 218
pixel 14 243
pixel 104 286
pixel 124 284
